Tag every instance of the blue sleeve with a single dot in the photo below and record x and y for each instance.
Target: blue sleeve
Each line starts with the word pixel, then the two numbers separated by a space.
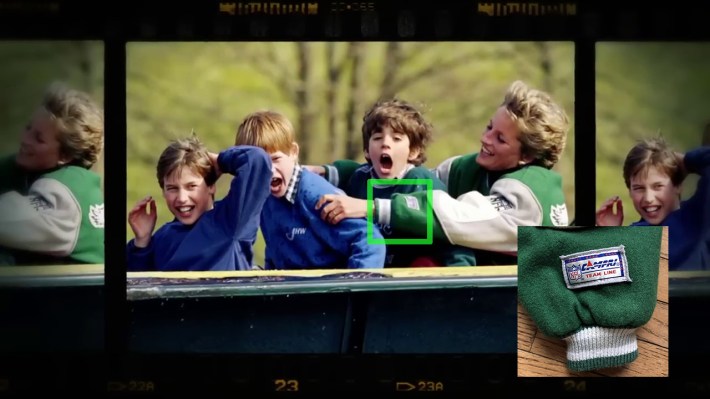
pixel 698 161
pixel 140 259
pixel 349 237
pixel 249 189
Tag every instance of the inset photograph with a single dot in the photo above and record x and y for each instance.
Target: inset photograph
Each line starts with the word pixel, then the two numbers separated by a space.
pixel 593 301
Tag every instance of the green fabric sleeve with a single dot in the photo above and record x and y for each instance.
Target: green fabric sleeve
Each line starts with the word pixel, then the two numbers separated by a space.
pixel 345 168
pixel 409 218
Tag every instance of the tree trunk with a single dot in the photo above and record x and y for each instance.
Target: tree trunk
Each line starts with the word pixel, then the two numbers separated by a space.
pixel 353 145
pixel 545 65
pixel 332 135
pixel 85 64
pixel 393 56
pixel 304 100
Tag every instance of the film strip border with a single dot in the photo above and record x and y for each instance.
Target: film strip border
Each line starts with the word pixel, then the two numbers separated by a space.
pixel 353 20
pixel 240 374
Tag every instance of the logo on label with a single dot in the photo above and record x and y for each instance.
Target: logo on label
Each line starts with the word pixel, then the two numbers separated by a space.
pixel 296 231
pixel 96 215
pixel 596 267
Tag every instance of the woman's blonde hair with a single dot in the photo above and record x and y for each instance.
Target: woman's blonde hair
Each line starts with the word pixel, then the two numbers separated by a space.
pixel 80 122
pixel 543 123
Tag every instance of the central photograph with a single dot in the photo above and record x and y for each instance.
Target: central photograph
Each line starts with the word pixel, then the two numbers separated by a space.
pixel 340 197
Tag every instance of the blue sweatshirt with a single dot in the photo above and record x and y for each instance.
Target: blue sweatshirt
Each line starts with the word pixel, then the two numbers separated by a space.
pixel 689 225
pixel 297 238
pixel 223 237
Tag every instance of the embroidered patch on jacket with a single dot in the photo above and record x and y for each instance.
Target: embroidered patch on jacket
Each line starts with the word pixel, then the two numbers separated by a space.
pixel 500 203
pixel 558 215
pixel 39 203
pixel 96 215
pixel 296 231
pixel 411 202
pixel 597 267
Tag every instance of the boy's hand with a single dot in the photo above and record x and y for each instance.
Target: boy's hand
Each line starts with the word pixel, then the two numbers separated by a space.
pixel 606 215
pixel 340 207
pixel 142 223
pixel 319 170
pixel 213 159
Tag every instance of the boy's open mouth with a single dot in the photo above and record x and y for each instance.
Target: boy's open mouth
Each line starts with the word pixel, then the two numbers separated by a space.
pixel 386 163
pixel 275 182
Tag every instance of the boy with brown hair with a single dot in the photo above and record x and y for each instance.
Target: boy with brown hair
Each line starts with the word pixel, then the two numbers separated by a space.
pixel 296 237
pixel 395 136
pixel 205 234
pixel 654 173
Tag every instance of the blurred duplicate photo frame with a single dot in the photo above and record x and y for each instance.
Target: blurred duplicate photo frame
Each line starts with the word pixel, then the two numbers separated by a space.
pixel 653 166
pixel 51 197
pixel 593 302
pixel 329 107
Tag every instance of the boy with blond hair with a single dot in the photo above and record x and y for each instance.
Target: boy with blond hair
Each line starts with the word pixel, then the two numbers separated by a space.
pixel 296 237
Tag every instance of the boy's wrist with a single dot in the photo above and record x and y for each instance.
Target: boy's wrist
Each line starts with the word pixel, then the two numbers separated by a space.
pixel 141 242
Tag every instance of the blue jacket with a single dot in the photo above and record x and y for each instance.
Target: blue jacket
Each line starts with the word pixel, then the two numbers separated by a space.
pixel 223 237
pixel 297 238
pixel 689 226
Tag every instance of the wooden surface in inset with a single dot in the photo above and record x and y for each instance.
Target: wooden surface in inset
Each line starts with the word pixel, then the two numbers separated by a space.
pixel 542 356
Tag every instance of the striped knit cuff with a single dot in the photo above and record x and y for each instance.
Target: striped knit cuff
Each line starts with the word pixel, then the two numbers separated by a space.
pixel 331 174
pixel 594 348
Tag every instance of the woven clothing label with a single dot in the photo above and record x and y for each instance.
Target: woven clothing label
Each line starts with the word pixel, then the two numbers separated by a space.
pixel 595 267
pixel 411 202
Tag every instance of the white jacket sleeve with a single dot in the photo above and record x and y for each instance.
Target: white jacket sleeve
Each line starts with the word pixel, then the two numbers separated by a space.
pixel 442 171
pixel 488 222
pixel 47 220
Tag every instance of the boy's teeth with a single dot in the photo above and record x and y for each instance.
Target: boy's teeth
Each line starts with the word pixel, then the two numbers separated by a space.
pixel 184 208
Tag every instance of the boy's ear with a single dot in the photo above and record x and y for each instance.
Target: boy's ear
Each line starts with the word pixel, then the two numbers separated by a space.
pixel 367 155
pixel 294 149
pixel 212 189
pixel 414 153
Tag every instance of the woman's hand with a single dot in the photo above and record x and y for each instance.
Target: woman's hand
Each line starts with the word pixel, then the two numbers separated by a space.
pixel 608 216
pixel 142 222
pixel 340 207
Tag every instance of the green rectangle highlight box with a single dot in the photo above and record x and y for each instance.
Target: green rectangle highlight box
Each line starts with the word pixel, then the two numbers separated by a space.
pixel 429 213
